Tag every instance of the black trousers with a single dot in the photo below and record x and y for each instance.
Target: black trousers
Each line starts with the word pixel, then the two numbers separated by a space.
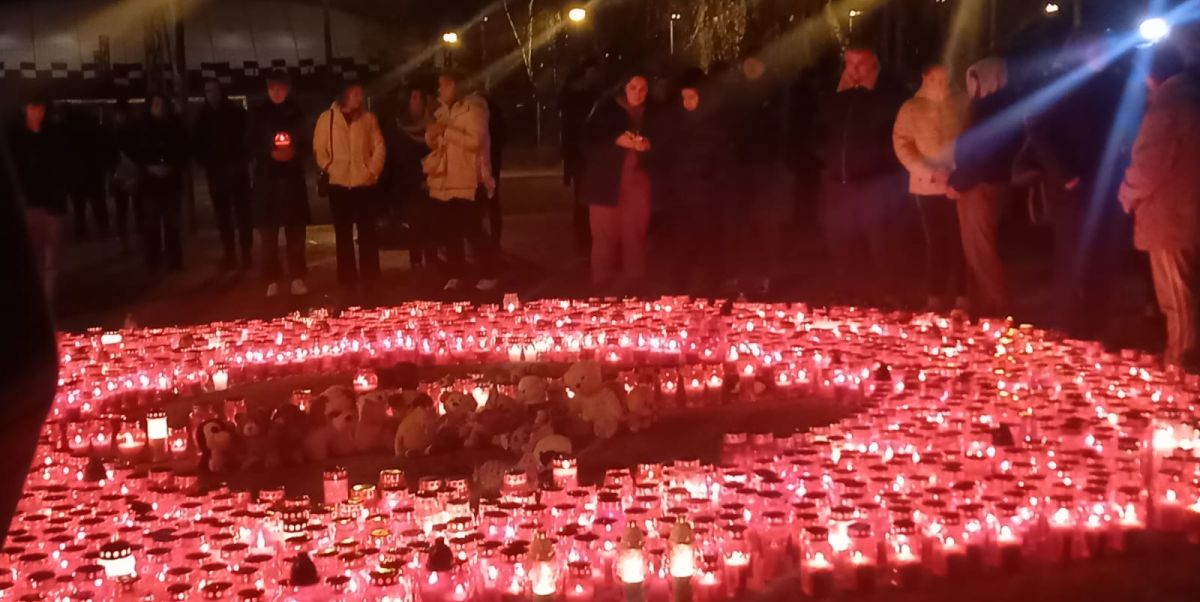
pixel 230 194
pixel 863 245
pixel 159 203
pixel 945 274
pixel 125 205
pixel 462 222
pixel 297 266
pixel 495 217
pixel 1091 242
pixel 88 192
pixel 423 229
pixel 355 209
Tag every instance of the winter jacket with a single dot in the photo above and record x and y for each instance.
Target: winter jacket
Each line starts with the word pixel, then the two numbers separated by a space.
pixel 985 153
pixel 220 139
pixel 352 153
pixel 604 162
pixel 280 192
pixel 697 156
pixel 758 122
pixel 1162 184
pixel 924 136
pixel 1065 141
pixel 855 134
pixel 461 159
pixel 38 162
pixel 161 149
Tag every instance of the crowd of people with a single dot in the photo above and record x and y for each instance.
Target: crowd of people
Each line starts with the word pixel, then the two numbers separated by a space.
pixel 435 154
pixel 714 164
pixel 713 161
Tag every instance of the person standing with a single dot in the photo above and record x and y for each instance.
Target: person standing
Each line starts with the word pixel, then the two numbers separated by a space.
pixel 160 152
pixel 700 158
pixel 575 103
pixel 221 148
pixel 276 133
pixel 406 150
pixel 1068 148
pixel 123 172
pixel 980 182
pixel 924 135
pixel 459 172
pixel 86 160
pixel 1162 191
pixel 616 183
pixel 498 138
pixel 348 145
pixel 860 180
pixel 756 131
pixel 37 153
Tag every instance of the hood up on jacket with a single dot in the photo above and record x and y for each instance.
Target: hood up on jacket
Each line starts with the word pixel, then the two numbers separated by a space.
pixel 987 77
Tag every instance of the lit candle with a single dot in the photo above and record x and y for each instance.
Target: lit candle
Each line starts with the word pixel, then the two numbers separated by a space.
pixel 543 570
pixel 631 563
pixel 131 441
pixel 220 378
pixel 682 560
pixel 336 485
pixel 817 576
pixel 365 381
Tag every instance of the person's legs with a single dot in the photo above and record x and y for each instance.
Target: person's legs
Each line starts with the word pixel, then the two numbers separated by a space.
pixel 297 237
pixel 605 226
pixel 222 202
pixel 243 222
pixel 150 208
pixel 342 203
pixel 978 217
pixel 943 248
pixel 272 270
pixel 841 232
pixel 580 213
pixel 172 206
pixel 368 235
pixel 634 209
pixel 1175 273
pixel 99 202
pixel 481 244
pixel 495 215
pixel 453 228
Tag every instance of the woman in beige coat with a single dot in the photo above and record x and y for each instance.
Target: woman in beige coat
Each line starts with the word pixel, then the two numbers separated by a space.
pixel 923 137
pixel 348 146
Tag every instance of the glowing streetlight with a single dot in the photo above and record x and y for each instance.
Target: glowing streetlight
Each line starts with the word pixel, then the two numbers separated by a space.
pixel 674 17
pixel 577 14
pixel 1051 8
pixel 450 38
pixel 1154 30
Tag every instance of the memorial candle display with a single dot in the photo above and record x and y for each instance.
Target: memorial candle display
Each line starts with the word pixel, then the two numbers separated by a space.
pixel 955 449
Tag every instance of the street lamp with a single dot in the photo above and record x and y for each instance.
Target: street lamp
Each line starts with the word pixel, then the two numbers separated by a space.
pixel 577 14
pixel 1154 30
pixel 854 14
pixel 674 17
pixel 1051 8
pixel 450 38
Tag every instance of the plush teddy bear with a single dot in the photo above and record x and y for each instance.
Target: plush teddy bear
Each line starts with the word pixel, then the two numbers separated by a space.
pixel 376 428
pixel 501 416
pixel 640 403
pixel 456 422
pixel 597 404
pixel 532 390
pixel 489 477
pixel 415 432
pixel 218 444
pixel 334 416
pixel 252 427
pixel 285 436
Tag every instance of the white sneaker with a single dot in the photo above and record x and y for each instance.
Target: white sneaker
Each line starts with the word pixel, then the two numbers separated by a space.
pixel 452 284
pixel 298 287
pixel 273 290
pixel 487 284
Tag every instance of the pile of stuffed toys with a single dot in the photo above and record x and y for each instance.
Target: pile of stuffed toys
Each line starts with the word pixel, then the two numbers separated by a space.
pixel 533 418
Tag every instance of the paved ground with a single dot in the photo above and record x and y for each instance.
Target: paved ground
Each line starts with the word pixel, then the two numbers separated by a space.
pixel 101 286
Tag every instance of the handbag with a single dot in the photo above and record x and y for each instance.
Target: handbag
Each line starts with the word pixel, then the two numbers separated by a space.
pixel 323 177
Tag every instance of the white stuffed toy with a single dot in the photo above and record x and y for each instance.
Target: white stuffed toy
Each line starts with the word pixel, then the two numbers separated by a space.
pixel 376 428
pixel 333 417
pixel 595 403
pixel 532 390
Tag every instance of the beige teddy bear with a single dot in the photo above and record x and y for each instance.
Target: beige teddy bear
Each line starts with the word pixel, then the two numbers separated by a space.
pixel 594 402
pixel 415 432
pixel 333 417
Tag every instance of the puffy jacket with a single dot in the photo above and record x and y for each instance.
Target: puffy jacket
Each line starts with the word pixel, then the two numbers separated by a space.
pixel 604 163
pixel 1162 185
pixel 463 152
pixel 353 154
pixel 924 136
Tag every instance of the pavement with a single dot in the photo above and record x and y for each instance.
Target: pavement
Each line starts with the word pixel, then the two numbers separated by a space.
pixel 102 285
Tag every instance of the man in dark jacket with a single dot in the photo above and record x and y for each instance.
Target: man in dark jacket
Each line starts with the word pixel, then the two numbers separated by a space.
pixel 757 124
pixel 575 103
pixel 862 183
pixel 277 136
pixel 85 166
pixel 38 162
pixel 981 182
pixel 1069 144
pixel 161 154
pixel 221 148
